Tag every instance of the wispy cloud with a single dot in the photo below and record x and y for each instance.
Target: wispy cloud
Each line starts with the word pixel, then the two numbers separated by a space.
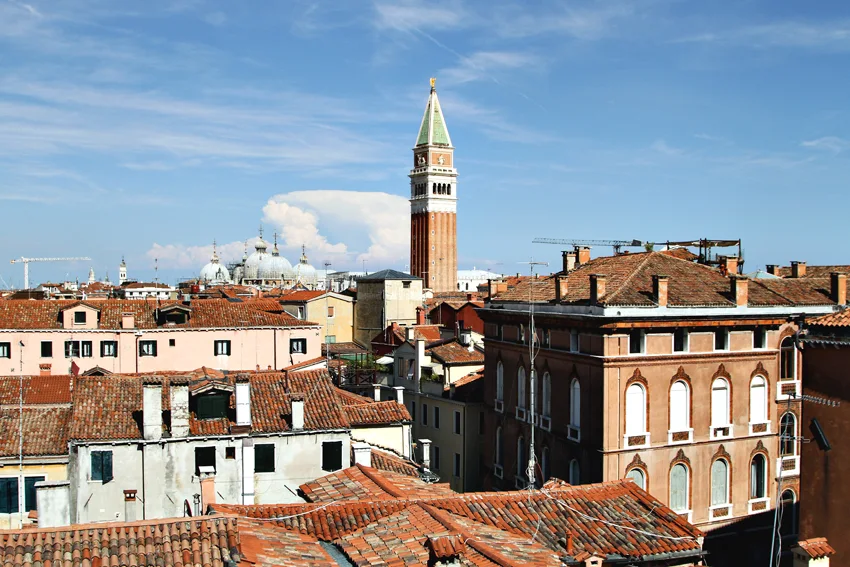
pixel 485 64
pixel 828 36
pixel 661 147
pixel 216 18
pixel 585 21
pixel 832 144
pixel 410 15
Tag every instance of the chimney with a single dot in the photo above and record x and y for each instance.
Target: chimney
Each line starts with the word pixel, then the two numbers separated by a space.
pixel 130 505
pixel 561 288
pixel 597 288
pixel 568 260
pixel 243 400
pixel 179 406
pixel 838 288
pixel 297 412
pixel 729 265
pixel 362 454
pixel 740 290
pixel 420 315
pixel 207 476
pixel 399 394
pixel 409 333
pixel 772 269
pixel 426 453
pixel 53 501
pixel 152 407
pixel 376 392
pixel 798 269
pixel 44 369
pixel 582 255
pixel 469 297
pixel 659 290
pixel 128 321
pixel 420 360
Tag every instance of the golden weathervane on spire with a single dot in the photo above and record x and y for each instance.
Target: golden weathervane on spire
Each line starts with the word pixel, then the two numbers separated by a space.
pixel 433 81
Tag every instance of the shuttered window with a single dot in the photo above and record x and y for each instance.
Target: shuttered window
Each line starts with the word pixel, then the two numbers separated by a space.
pixel 720 402
pixel 719 483
pixel 101 466
pixel 575 403
pixel 758 400
pixel 679 488
pixel 30 498
pixel 8 495
pixel 680 406
pixel 787 435
pixel 635 410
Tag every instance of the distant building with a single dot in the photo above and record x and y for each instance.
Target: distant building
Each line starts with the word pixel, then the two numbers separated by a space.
pixel 469 280
pixel 332 311
pixel 145 290
pixel 383 298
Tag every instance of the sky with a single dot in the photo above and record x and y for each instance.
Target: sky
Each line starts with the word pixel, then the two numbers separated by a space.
pixel 151 129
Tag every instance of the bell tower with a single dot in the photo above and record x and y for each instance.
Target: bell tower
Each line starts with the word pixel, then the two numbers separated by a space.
pixel 433 202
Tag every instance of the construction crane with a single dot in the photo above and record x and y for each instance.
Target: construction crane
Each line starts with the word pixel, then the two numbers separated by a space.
pixel 616 244
pixel 26 263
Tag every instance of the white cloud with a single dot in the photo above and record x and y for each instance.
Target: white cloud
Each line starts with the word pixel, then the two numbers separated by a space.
pixel 832 144
pixel 662 147
pixel 411 15
pixel 483 64
pixel 828 36
pixel 194 257
pixel 216 19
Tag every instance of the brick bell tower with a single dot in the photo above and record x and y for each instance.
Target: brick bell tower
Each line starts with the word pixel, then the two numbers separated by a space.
pixel 433 202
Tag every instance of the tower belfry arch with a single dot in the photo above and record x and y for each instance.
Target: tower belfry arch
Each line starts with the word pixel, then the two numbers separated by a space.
pixel 433 201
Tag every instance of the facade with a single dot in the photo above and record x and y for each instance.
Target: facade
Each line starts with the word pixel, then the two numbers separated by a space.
pixel 332 311
pixel 383 298
pixel 470 280
pixel 143 290
pixel 433 202
pixel 123 336
pixel 668 372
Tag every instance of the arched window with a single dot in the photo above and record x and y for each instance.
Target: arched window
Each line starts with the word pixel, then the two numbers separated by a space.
pixel 449 189
pixel 500 381
pixel 635 410
pixel 575 403
pixel 544 464
pixel 758 477
pixel 719 402
pixel 758 400
pixel 680 406
pixel 434 188
pixel 787 435
pixel 787 367
pixel 520 387
pixel 679 497
pixel 575 472
pixel 499 447
pixel 521 460
pixel 637 476
pixel 547 394
pixel 719 482
pixel 788 502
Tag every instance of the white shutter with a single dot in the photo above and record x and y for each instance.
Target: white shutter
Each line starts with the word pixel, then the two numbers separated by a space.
pixel 679 406
pixel 758 399
pixel 635 410
pixel 719 403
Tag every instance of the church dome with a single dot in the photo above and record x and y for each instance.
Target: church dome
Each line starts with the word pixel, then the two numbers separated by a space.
pixel 256 260
pixel 305 274
pixel 276 267
pixel 214 271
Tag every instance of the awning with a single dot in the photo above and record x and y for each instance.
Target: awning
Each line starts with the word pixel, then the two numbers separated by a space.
pixel 384 360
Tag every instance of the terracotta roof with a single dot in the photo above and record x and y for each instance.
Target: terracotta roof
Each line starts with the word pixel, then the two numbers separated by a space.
pixel 360 482
pixel 45 430
pixel 556 525
pixel 455 353
pixel 395 334
pixel 313 362
pixel 388 461
pixel 629 283
pixel 816 547
pixel 682 254
pixel 376 413
pixel 299 296
pixel 352 347
pixel 205 314
pixel 815 271
pixel 837 319
pixel 263 544
pixel 36 390
pixel 138 285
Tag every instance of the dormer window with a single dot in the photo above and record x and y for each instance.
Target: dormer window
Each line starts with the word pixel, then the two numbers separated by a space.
pixel 212 406
pixel 79 317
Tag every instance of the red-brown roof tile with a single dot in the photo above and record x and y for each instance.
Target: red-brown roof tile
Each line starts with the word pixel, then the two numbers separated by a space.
pixel 455 353
pixel 816 547
pixel 45 431
pixel 36 390
pixel 837 319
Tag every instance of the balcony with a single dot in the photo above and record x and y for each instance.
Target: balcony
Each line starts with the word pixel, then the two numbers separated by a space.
pixel 636 441
pixel 788 465
pixel 680 437
pixel 717 432
pixel 761 428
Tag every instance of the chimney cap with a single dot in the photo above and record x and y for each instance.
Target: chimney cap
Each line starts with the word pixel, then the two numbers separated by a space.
pixel 152 380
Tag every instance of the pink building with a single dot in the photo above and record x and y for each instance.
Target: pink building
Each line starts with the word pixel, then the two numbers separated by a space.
pixel 134 336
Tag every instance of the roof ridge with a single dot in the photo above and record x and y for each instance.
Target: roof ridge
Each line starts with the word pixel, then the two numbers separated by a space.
pixel 382 483
pixel 610 296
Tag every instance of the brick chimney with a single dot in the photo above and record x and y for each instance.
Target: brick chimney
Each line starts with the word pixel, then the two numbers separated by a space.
pixel 772 269
pixel 659 290
pixel 740 290
pixel 838 288
pixel 420 315
pixel 207 475
pixel 561 288
pixel 798 269
pixel 597 288
pixel 152 407
pixel 582 255
pixel 729 265
pixel 568 259
pixel 44 369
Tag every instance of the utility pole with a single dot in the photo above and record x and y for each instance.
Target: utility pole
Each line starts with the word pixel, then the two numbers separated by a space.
pixel 532 355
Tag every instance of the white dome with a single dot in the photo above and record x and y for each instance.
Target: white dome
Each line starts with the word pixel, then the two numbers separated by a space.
pixel 275 268
pixel 214 271
pixel 305 274
pixel 255 260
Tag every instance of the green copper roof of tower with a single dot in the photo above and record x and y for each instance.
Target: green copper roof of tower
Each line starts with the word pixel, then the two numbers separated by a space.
pixel 433 129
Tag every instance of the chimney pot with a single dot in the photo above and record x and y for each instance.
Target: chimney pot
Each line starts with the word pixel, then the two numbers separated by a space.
pixel 297 412
pixel 376 392
pixel 561 288
pixel 659 290
pixel 399 394
pixel 838 288
pixel 568 260
pixel 740 290
pixel 798 269
pixel 362 454
pixel 729 265
pixel 409 333
pixel 597 288
pixel 179 409
pixel 772 269
pixel 426 452
pixel 582 255
pixel 207 475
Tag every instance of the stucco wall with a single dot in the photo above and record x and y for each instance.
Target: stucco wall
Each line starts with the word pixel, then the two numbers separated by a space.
pixel 49 471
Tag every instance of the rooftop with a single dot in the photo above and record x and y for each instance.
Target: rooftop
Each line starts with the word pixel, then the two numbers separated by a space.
pixel 384 275
pixel 454 353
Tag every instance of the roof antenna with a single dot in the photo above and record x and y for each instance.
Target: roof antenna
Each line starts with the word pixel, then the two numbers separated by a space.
pixel 532 355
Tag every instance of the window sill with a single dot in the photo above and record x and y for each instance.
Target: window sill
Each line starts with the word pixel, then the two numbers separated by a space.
pixel 681 437
pixel 788 466
pixel 759 428
pixel 499 406
pixel 756 505
pixel 573 433
pixel 498 472
pixel 636 441
pixel 717 432
pixel 720 511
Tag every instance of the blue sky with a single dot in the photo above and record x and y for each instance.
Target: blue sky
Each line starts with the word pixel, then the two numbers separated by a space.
pixel 149 129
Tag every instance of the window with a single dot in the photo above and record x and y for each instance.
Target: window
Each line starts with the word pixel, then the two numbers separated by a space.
pixel 680 406
pixel 544 464
pixel 85 349
pixel 575 472
pixel 101 466
pixel 637 341
pixel 172 342
pixel 759 337
pixel 575 403
pixel 147 348
pixel 720 403
pixel 573 340
pixel 5 350
pixel 499 446
pixel 788 512
pixel 212 406
pixel 758 477
pixel 435 458
pixel 787 368
pixel 721 339
pixel 638 477
pixel 424 414
pixel 758 400
pixel 457 422
pixel 72 349
pixel 787 435
pixel 679 488
pixel 108 348
pixel 456 470
pixel 436 417
pixel 79 317
pixel 522 333
pixel 521 461
pixel 298 346
pixel 30 499
pixel 8 495
pixel 330 311
pixel 413 411
pixel 46 349
pixel 230 453
pixel 635 410
pixel 681 340
pixel 221 348
pixel 264 458
pixel 520 387
pixel 204 457
pixel 406 285
pixel 719 483
pixel 500 381
pixel 546 394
